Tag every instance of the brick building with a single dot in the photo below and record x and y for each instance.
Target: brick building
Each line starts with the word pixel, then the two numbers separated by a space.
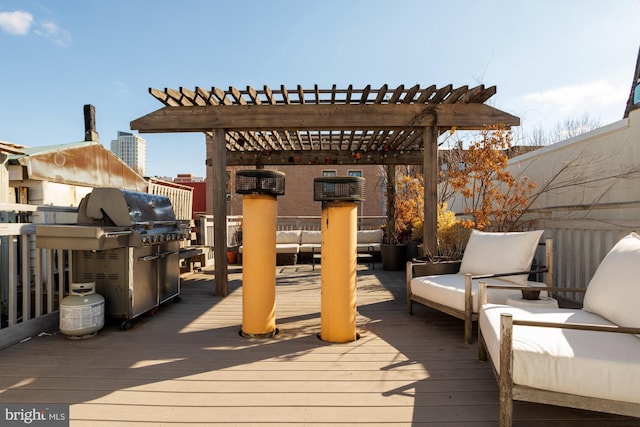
pixel 298 198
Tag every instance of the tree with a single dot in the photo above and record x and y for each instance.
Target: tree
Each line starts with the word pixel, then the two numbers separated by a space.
pixel 570 128
pixel 490 194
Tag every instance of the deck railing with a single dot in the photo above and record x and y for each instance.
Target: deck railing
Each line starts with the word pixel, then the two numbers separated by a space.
pixel 33 281
pixel 579 247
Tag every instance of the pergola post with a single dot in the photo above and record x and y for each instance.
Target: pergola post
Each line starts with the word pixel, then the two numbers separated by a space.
pixel 216 140
pixel 390 172
pixel 430 177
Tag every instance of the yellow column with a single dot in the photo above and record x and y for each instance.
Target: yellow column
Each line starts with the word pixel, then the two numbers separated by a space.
pixel 260 215
pixel 338 275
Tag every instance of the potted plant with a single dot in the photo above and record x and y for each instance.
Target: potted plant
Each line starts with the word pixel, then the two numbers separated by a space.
pixel 397 230
pixel 452 238
pixel 235 242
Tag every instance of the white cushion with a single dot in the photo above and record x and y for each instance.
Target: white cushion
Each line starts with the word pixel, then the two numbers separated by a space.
pixel 614 290
pixel 369 236
pixel 496 253
pixel 287 248
pixel 585 363
pixel 310 247
pixel 448 290
pixel 288 236
pixel 311 237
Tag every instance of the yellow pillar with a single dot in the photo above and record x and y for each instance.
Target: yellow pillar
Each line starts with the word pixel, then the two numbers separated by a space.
pixel 260 216
pixel 338 275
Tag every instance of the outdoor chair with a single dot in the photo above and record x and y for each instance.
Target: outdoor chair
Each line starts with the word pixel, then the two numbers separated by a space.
pixel 503 259
pixel 585 358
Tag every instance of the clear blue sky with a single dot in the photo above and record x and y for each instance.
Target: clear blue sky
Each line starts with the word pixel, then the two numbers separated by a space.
pixel 551 60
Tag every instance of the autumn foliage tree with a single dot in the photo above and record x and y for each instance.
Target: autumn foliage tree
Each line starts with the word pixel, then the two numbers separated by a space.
pixel 491 196
pixel 409 204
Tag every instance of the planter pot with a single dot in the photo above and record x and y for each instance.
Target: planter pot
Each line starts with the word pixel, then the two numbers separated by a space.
pixel 394 257
pixel 412 250
pixel 425 267
pixel 232 257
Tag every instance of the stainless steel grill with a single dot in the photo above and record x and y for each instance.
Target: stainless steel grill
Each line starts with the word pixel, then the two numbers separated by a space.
pixel 126 242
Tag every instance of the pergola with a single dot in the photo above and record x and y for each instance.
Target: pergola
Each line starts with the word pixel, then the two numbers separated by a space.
pixel 300 126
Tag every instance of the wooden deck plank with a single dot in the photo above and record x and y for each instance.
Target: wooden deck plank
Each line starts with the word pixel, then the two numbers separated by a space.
pixel 188 365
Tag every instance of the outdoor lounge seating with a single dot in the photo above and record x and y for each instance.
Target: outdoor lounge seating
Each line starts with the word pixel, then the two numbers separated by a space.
pixel 582 358
pixel 294 244
pixel 504 259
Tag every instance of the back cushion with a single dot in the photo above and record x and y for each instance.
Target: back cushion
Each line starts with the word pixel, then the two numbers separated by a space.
pixel 496 253
pixel 614 290
pixel 288 236
pixel 369 236
pixel 311 237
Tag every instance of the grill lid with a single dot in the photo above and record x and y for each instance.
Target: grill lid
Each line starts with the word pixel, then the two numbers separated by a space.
pixel 123 208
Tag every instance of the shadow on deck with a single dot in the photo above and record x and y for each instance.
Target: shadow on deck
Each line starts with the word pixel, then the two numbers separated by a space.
pixel 187 365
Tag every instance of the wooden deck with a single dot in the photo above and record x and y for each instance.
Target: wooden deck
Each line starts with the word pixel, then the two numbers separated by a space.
pixel 188 365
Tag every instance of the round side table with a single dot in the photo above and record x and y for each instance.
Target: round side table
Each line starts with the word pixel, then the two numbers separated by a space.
pixel 516 300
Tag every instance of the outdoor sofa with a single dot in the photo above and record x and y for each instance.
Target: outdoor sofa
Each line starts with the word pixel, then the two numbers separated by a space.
pixel 585 358
pixel 502 259
pixel 303 244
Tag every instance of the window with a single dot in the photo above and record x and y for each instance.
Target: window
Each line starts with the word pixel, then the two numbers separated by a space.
pixel 355 173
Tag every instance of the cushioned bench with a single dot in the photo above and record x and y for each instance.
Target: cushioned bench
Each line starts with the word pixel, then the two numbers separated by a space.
pixel 583 358
pixel 291 244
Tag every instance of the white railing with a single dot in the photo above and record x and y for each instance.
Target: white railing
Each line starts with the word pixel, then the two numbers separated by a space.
pixel 312 222
pixel 181 196
pixel 33 281
pixel 579 247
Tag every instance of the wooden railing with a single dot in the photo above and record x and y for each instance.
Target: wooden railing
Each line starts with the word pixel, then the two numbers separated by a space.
pixel 33 281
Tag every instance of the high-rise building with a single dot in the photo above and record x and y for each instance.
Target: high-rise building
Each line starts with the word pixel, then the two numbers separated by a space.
pixel 132 149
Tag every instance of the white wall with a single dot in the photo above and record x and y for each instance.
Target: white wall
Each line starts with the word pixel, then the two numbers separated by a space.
pixel 597 172
pixel 597 200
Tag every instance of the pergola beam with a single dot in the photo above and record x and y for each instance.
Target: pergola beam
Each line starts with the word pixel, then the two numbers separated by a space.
pixel 320 117
pixel 323 157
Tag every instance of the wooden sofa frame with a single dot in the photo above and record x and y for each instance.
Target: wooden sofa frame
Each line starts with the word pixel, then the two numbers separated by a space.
pixel 468 315
pixel 508 391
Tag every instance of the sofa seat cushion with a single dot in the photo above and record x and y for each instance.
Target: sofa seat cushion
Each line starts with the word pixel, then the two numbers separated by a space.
pixel 586 363
pixel 310 247
pixel 448 290
pixel 287 248
pixel 311 241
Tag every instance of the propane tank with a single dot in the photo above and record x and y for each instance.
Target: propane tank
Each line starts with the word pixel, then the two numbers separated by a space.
pixel 82 312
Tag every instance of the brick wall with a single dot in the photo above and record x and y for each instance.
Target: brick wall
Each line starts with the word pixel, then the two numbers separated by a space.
pixel 298 197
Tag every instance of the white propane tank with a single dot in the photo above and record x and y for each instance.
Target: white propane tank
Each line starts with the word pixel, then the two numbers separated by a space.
pixel 82 312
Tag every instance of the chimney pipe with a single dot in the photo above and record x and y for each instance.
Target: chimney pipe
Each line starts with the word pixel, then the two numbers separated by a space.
pixel 90 133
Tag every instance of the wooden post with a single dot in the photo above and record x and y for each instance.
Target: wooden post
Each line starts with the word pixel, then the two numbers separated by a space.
pixel 505 382
pixel 430 177
pixel 390 172
pixel 219 159
pixel 482 300
pixel 468 308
